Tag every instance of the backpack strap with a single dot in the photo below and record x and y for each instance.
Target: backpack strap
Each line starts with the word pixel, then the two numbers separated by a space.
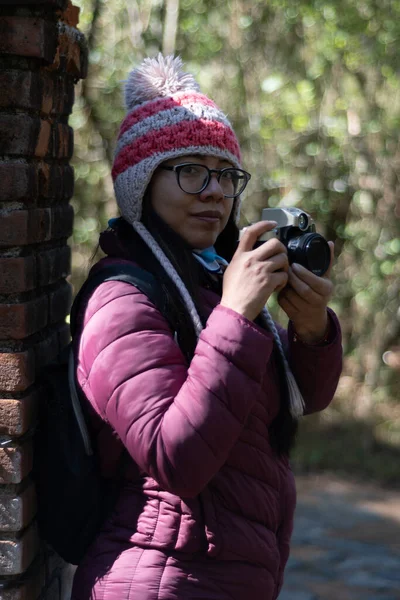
pixel 125 272
pixel 76 404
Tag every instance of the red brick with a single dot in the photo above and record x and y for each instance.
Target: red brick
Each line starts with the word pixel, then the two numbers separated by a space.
pixel 36 91
pixel 71 15
pixel 21 227
pixel 53 265
pixel 43 140
pixel 25 182
pixel 15 464
pixel 62 221
pixel 56 182
pixel 18 321
pixel 58 95
pixel 18 509
pixel 17 553
pixel 72 58
pixel 23 135
pixel 47 95
pixel 62 145
pixel 19 181
pixel 41 269
pixel 72 54
pixel 19 134
pixel 60 303
pixel 31 37
pixel 17 371
pixel 17 274
pixel 64 96
pixel 20 89
pixel 18 414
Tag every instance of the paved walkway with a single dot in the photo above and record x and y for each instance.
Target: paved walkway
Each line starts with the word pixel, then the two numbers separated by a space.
pixel 346 542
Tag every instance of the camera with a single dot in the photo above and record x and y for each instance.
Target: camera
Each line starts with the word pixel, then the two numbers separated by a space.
pixel 296 231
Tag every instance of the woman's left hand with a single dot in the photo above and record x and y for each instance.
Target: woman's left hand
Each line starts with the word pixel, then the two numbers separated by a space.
pixel 304 299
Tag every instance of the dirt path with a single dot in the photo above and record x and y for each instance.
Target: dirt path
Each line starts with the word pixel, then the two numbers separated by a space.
pixel 346 542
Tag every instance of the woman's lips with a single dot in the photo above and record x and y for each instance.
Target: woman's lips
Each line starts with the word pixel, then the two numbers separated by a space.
pixel 210 216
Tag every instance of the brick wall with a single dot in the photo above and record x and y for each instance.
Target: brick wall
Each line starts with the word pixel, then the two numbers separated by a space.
pixel 42 55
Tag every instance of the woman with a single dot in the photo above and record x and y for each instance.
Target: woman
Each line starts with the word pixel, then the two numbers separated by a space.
pixel 200 394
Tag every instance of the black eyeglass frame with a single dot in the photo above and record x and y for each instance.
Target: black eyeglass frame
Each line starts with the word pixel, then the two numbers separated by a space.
pixel 177 168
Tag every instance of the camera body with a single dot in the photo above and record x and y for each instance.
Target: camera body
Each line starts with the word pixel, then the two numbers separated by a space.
pixel 296 230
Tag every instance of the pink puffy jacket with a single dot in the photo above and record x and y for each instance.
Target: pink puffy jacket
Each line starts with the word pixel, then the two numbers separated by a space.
pixel 206 508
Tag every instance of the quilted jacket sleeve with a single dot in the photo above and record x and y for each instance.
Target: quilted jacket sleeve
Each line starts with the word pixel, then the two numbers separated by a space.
pixel 317 368
pixel 178 424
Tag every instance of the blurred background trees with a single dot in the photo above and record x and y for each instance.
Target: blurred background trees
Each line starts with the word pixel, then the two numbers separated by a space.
pixel 312 88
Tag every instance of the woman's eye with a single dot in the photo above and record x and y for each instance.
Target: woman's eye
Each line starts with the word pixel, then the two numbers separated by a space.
pixel 190 170
pixel 230 175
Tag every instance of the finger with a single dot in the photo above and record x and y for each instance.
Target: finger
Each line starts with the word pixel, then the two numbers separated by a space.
pixel 277 262
pixel 281 287
pixel 250 235
pixel 304 278
pixel 269 248
pixel 285 302
pixel 312 290
pixel 292 300
pixel 279 280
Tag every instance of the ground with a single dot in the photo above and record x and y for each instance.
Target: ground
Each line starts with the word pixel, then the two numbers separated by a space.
pixel 346 542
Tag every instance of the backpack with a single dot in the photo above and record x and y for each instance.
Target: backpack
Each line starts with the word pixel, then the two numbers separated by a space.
pixel 73 498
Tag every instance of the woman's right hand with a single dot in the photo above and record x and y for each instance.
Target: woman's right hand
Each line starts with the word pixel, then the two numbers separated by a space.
pixel 253 275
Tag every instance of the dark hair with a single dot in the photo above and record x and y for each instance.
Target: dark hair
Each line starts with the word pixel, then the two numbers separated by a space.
pixel 283 428
pixel 180 255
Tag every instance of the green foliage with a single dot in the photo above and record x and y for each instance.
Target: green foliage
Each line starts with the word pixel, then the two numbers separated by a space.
pixel 349 447
pixel 312 89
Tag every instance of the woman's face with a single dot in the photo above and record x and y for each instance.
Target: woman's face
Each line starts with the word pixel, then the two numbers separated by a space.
pixel 197 218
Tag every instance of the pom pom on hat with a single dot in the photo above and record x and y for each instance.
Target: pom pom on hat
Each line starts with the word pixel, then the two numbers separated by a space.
pixel 157 78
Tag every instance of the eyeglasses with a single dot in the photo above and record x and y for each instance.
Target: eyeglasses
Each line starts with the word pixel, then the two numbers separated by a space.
pixel 193 178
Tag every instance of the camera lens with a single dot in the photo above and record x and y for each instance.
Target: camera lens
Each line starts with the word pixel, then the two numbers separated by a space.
pixel 310 250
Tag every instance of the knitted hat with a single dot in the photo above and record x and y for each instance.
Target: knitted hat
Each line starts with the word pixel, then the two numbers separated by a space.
pixel 167 117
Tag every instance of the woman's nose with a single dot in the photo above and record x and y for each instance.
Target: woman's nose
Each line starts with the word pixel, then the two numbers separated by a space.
pixel 213 189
